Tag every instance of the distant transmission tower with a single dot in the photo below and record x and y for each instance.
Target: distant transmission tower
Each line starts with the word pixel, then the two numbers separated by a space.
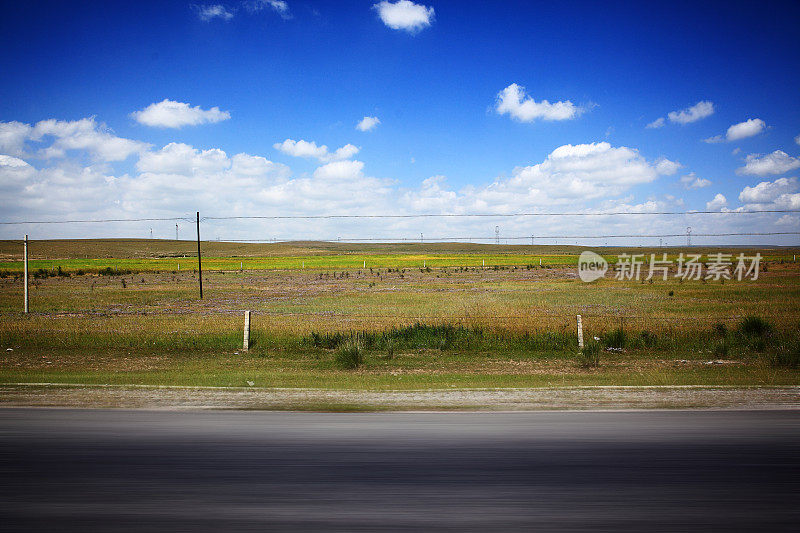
pixel 151 233
pixel 689 236
pixel 176 232
pixel 497 234
pixel 421 239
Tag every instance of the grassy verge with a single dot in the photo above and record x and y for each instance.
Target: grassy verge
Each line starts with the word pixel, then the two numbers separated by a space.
pixel 418 356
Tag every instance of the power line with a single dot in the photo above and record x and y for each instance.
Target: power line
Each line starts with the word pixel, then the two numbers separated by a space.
pixel 95 221
pixel 490 215
pixel 484 238
pixel 422 215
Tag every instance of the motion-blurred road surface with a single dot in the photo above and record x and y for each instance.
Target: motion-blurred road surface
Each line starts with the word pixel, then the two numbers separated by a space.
pixel 118 470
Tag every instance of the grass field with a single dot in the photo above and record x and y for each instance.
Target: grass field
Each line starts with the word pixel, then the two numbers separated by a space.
pixel 420 316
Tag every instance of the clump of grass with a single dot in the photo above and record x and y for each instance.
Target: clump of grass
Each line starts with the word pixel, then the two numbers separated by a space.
pixel 616 338
pixel 754 326
pixel 445 337
pixel 390 349
pixel 721 348
pixel 720 329
pixel 785 356
pixel 349 356
pixel 589 356
pixel 647 339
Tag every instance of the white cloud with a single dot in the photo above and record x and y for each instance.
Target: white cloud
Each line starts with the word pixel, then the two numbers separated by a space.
pixel 745 129
pixel 368 123
pixel 718 202
pixel 777 162
pixel 172 114
pixel 694 113
pixel 742 130
pixel 179 158
pixel 178 179
pixel 86 135
pixel 768 191
pixel 339 170
pixel 12 162
pixel 404 15
pixel 513 101
pixel 212 11
pixel 279 6
pixel 13 136
pixel 690 181
pixel 657 123
pixel 788 220
pixel 665 167
pixel 309 149
pixel 797 139
pixel 570 175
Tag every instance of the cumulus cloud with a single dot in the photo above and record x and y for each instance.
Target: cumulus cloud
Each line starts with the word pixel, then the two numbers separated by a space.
pixel 309 149
pixel 777 162
pixel 171 114
pixel 404 15
pixel 513 101
pixel 179 158
pixel 178 179
pixel 797 139
pixel 694 113
pixel 718 202
pixel 212 11
pixel 83 135
pixel 13 136
pixel 665 167
pixel 368 123
pixel 768 191
pixel 742 130
pixel 569 175
pixel 691 181
pixel 657 123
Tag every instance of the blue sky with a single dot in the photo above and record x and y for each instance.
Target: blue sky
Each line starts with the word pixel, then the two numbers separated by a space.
pixel 433 74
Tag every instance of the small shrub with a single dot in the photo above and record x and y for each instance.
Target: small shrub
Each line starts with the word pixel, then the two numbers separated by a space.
pixel 589 356
pixel 754 326
pixel 348 356
pixel 720 329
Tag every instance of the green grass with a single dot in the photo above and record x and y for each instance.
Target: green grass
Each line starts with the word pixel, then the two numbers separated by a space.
pixel 439 327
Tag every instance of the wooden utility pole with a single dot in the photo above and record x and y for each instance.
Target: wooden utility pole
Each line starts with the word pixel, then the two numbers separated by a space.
pixel 199 263
pixel 26 274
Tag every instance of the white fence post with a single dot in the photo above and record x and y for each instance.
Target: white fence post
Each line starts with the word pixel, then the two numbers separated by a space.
pixel 246 343
pixel 580 333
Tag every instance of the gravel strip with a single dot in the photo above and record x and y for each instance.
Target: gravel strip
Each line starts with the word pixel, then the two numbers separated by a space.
pixel 580 398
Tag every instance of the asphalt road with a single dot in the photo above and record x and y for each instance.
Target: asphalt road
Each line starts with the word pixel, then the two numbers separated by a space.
pixel 114 470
